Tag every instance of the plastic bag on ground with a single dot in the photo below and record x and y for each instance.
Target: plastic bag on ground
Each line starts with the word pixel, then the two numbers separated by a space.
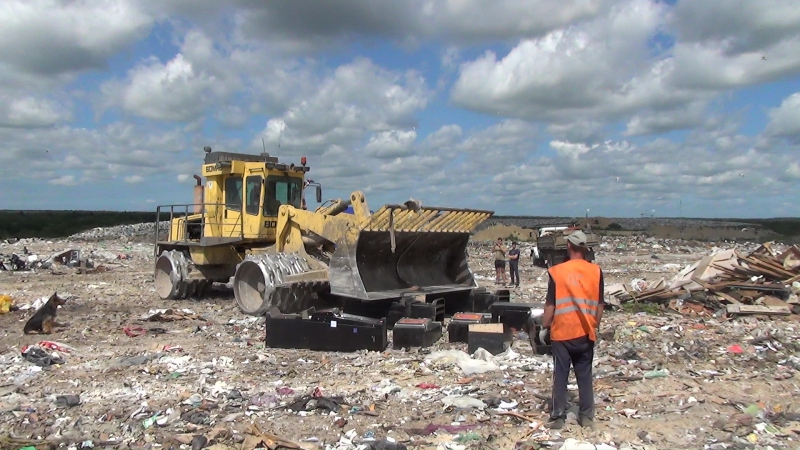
pixel 467 365
pixel 463 401
pixel 574 444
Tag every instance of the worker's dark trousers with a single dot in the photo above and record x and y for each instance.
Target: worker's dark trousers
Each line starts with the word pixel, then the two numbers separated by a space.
pixel 579 352
pixel 513 267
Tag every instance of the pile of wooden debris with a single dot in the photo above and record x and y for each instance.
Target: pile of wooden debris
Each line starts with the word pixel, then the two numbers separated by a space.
pixel 763 282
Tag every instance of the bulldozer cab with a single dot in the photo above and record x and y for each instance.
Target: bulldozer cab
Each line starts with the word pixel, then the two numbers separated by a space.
pixel 252 200
pixel 282 190
pixel 240 199
pixel 232 212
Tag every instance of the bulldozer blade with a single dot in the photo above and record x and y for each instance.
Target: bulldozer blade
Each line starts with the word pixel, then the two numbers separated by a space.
pixel 401 251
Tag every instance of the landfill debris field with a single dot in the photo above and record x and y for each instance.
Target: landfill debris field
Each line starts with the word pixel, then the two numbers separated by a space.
pixel 697 350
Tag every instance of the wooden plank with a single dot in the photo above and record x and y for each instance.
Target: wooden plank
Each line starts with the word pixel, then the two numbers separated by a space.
pixel 777 271
pixel 758 309
pixel 774 301
pixel 728 298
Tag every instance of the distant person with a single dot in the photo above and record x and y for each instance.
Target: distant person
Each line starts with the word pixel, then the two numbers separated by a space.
pixel 513 264
pixel 499 262
pixel 573 309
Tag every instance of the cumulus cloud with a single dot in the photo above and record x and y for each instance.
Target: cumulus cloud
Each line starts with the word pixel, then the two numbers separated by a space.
pixel 793 171
pixel 65 180
pixel 30 112
pixel 785 120
pixel 622 66
pixel 690 115
pixel 47 37
pixel 117 150
pixel 597 68
pixel 738 26
pixel 172 91
pixel 200 77
pixel 391 144
pixel 476 19
pixel 296 27
pixel 357 98
pixel 134 179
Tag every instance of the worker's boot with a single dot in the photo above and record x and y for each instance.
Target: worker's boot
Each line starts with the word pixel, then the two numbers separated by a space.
pixel 586 422
pixel 555 424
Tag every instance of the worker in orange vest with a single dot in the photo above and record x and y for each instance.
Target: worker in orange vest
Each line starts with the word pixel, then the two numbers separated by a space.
pixel 572 313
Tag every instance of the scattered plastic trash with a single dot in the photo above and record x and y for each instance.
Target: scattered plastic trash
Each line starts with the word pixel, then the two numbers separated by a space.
pixel 386 445
pixel 736 348
pixel 574 444
pixel 6 304
pixel 41 356
pixel 661 373
pixel 150 421
pixel 310 403
pixel 284 391
pixel 468 437
pixel 68 401
pixel 432 428
pixel 132 331
pixel 56 346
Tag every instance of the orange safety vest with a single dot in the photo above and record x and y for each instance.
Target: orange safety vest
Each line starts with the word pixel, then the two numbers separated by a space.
pixel 577 299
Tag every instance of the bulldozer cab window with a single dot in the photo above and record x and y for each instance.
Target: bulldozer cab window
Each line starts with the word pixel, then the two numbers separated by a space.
pixel 282 191
pixel 233 193
pixel 253 190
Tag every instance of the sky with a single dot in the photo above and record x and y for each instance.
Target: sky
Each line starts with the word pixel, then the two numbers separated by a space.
pixel 547 108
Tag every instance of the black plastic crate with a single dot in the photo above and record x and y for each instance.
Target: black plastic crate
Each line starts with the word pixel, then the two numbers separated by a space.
pixel 458 328
pixel 515 315
pixel 433 310
pixel 326 331
pixel 411 332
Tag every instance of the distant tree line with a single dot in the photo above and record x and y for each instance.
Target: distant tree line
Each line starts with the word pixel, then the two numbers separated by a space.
pixel 55 224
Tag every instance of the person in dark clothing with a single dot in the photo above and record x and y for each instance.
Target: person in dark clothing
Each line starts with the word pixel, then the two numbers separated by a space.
pixel 573 310
pixel 513 264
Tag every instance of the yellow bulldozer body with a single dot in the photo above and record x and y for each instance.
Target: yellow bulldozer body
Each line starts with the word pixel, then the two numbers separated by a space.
pixel 249 226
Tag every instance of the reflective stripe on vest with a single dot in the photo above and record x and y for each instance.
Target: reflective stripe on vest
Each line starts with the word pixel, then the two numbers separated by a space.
pixel 574 304
pixel 577 299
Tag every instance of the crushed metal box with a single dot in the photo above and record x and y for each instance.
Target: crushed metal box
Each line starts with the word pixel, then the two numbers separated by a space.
pixel 458 328
pixel 416 310
pixel 327 331
pixel 480 300
pixel 503 295
pixel 412 332
pixel 515 315
pixel 495 338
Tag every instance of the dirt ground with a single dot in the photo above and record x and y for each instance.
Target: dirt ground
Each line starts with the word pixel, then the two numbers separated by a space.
pixel 662 380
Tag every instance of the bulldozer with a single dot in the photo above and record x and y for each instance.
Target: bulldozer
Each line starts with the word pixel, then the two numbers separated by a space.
pixel 249 228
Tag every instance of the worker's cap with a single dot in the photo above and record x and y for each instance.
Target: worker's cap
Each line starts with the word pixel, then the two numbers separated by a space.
pixel 577 238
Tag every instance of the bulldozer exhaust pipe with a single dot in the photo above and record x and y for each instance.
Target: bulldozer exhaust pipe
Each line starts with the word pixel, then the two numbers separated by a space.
pixel 198 195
